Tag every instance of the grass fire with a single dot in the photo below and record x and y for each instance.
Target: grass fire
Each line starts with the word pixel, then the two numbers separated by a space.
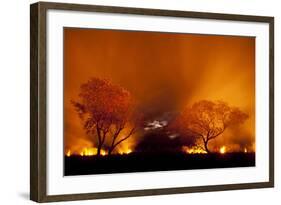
pixel 117 134
pixel 153 101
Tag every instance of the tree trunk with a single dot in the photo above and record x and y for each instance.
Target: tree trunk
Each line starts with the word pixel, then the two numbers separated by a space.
pixel 110 151
pixel 99 150
pixel 99 141
pixel 111 148
pixel 206 147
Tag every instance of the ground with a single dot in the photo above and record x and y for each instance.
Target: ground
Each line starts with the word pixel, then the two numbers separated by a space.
pixel 139 162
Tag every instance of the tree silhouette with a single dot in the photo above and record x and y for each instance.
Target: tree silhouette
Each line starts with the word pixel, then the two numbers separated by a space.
pixel 207 120
pixel 107 112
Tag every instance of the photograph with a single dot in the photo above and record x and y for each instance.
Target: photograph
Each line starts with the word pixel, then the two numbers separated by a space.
pixel 142 101
pixel 139 101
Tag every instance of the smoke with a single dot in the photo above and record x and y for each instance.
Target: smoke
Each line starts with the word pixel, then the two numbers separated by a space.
pixel 237 138
pixel 165 72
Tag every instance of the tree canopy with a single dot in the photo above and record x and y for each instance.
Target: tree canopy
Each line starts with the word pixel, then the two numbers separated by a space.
pixel 106 110
pixel 207 120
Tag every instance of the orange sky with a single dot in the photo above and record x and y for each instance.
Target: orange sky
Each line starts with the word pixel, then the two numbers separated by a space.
pixel 163 71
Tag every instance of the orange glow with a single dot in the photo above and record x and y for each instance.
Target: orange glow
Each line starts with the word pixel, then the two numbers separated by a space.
pixel 193 150
pixel 222 149
pixel 91 151
pixel 128 151
pixel 103 152
pixel 68 153
pixel 126 147
pixel 85 148
pixel 164 72
pixel 88 152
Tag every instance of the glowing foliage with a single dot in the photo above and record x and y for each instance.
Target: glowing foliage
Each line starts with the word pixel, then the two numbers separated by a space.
pixel 106 110
pixel 207 120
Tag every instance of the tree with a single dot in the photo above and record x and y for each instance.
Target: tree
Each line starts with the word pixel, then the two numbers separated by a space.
pixel 206 120
pixel 107 110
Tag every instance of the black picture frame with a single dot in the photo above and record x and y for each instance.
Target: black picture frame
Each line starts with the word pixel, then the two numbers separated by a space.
pixel 38 95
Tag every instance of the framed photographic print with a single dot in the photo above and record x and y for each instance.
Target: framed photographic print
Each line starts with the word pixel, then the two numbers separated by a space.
pixel 133 102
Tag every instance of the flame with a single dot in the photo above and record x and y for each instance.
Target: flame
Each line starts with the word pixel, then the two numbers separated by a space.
pixel 222 149
pixel 68 154
pixel 88 152
pixel 126 151
pixel 85 147
pixel 193 150
pixel 91 151
pixel 103 152
pixel 126 147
